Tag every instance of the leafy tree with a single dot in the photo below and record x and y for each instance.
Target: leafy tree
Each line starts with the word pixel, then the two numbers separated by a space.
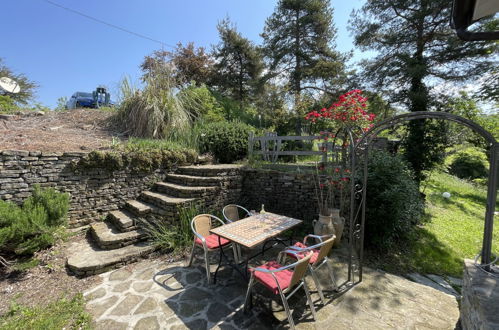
pixel 415 47
pixel 298 41
pixel 271 105
pixel 201 101
pixel 27 86
pixel 61 103
pixel 489 90
pixel 238 64
pixel 191 63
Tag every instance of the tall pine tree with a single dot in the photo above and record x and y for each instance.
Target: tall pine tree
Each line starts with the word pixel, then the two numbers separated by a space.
pixel 239 64
pixel 416 48
pixel 299 44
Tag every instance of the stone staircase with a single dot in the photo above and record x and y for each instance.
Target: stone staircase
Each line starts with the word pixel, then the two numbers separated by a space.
pixel 120 239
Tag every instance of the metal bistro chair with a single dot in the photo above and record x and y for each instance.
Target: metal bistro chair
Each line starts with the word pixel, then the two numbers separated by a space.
pixel 318 258
pixel 201 225
pixel 231 212
pixel 282 280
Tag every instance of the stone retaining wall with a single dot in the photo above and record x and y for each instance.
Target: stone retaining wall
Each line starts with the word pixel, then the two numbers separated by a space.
pixel 480 299
pixel 94 191
pixel 291 194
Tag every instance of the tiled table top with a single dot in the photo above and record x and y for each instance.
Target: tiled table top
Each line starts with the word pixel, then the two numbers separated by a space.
pixel 256 229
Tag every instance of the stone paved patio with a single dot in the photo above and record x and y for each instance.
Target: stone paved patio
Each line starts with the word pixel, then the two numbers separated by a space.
pixel 153 294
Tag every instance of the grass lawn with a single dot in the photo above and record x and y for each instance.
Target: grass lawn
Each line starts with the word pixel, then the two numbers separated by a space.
pixel 452 231
pixel 61 314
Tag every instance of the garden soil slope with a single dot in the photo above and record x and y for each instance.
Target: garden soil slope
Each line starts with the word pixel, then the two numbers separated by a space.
pixel 44 283
pixel 58 131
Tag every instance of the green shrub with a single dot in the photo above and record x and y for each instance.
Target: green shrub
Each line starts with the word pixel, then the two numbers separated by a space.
pixel 55 204
pixel 139 155
pixel 227 141
pixel 7 105
pixel 470 164
pixel 393 204
pixel 33 227
pixel 201 101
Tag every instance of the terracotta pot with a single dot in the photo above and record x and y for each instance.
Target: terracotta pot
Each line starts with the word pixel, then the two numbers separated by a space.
pixel 339 225
pixel 324 226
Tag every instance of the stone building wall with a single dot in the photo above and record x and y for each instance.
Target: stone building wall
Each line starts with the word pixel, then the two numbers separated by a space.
pixel 94 191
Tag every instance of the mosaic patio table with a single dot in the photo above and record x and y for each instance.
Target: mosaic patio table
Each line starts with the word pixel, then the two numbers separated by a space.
pixel 251 232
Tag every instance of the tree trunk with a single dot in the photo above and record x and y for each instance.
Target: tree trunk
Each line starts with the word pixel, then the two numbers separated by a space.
pixel 418 101
pixel 241 87
pixel 297 74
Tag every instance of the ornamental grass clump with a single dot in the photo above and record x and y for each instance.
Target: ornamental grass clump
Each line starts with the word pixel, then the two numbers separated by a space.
pixel 169 237
pixel 158 110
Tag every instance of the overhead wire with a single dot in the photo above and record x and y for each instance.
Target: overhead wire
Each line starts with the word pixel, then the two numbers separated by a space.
pixel 140 35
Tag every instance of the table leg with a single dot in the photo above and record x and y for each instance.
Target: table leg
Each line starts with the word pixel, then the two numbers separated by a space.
pixel 219 260
pixel 223 256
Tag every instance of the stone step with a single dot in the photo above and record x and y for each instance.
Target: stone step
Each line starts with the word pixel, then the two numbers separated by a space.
pixel 138 208
pixel 164 201
pixel 176 190
pixel 190 180
pixel 108 237
pixel 122 219
pixel 418 278
pixel 89 260
pixel 211 170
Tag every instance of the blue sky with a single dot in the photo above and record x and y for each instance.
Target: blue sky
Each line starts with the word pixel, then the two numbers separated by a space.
pixel 65 53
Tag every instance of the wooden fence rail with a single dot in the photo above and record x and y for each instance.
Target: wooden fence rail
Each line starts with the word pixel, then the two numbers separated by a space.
pixel 270 147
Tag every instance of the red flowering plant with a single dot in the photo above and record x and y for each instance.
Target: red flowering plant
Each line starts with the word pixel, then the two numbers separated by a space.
pixel 351 114
pixel 350 111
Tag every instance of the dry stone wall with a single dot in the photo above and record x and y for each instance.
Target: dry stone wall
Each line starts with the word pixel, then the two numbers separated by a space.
pixel 291 194
pixel 93 191
pixel 480 302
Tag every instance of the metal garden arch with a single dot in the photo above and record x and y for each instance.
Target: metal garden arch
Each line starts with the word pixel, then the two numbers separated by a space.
pixel 358 193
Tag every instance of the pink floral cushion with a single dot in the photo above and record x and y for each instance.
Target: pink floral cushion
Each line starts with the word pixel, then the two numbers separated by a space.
pixel 313 259
pixel 283 277
pixel 212 241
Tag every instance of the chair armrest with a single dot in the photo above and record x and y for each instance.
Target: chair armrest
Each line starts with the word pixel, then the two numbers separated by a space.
pixel 203 240
pixel 264 270
pixel 320 238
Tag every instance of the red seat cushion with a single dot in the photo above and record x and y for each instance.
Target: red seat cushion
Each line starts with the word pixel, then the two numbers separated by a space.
pixel 283 277
pixel 313 259
pixel 212 241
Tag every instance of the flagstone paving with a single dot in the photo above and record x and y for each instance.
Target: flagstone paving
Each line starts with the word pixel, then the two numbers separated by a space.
pixel 155 294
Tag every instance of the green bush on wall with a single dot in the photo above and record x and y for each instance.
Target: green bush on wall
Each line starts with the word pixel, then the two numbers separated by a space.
pixel 32 227
pixel 227 141
pixel 393 204
pixel 137 159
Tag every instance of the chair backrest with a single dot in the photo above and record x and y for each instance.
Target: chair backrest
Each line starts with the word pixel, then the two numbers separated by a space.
pixel 326 246
pixel 231 212
pixel 300 269
pixel 202 224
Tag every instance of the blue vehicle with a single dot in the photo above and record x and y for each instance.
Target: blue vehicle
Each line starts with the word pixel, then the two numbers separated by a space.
pixel 100 97
pixel 80 100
